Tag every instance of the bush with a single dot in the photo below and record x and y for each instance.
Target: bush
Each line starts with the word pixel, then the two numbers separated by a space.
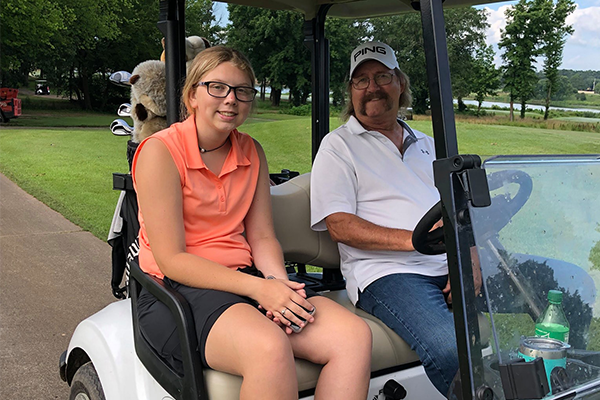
pixel 35 103
pixel 591 114
pixel 303 110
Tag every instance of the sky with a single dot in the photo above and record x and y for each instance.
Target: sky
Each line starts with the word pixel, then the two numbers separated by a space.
pixel 582 49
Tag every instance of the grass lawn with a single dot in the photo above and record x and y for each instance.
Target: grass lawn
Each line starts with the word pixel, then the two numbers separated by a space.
pixel 71 169
pixel 580 119
pixel 64 118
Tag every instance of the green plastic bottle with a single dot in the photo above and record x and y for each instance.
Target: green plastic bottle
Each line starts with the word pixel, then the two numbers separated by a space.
pixel 553 323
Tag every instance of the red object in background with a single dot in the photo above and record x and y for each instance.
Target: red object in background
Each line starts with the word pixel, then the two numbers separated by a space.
pixel 10 105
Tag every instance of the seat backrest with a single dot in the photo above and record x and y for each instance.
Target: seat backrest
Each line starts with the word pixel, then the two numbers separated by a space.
pixel 291 217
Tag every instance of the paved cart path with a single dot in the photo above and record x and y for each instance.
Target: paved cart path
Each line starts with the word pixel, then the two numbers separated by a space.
pixel 52 275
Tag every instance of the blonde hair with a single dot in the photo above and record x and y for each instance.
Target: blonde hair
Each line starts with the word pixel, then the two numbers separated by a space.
pixel 405 96
pixel 206 61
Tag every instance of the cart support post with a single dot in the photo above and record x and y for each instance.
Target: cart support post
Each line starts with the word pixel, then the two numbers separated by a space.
pixel 317 43
pixel 450 179
pixel 438 75
pixel 172 26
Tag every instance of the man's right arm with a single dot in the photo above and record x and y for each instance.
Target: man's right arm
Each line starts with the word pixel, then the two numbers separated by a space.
pixel 359 233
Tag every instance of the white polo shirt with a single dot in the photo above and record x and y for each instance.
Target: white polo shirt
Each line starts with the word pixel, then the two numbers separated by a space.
pixel 363 173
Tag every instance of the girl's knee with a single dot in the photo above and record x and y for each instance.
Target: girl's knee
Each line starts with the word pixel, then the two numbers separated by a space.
pixel 272 348
pixel 361 331
pixel 354 336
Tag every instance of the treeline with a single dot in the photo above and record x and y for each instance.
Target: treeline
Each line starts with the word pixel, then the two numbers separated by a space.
pixel 582 80
pixel 77 44
pixel 568 85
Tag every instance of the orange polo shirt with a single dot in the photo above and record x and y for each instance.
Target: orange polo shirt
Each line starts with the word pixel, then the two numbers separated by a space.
pixel 214 207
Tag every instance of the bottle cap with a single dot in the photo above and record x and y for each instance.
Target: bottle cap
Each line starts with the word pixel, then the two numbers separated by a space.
pixel 555 296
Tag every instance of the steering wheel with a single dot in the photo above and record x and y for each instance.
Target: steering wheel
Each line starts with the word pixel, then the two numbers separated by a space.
pixel 496 216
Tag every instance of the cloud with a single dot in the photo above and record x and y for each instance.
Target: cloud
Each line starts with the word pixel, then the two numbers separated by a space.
pixel 497 21
pixel 587 29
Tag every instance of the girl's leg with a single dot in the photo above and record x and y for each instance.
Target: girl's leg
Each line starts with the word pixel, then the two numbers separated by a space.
pixel 340 341
pixel 244 342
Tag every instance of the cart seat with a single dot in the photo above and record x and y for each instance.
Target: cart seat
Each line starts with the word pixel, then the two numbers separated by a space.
pixel 300 244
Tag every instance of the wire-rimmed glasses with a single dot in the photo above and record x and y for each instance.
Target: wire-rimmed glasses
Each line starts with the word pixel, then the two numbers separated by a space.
pixel 381 79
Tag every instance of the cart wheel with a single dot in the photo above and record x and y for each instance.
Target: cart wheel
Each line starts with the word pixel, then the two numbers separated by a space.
pixel 86 385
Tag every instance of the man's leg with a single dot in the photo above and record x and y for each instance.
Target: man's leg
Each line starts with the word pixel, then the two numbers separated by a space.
pixel 415 308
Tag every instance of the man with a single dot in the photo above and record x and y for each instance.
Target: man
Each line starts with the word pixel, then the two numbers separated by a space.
pixel 372 182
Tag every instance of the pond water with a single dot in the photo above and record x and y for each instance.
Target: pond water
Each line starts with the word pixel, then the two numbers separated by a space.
pixel 490 104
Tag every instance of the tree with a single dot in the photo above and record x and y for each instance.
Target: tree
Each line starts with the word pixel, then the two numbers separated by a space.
pixel 28 33
pixel 520 41
pixel 83 49
pixel 538 278
pixel 200 20
pixel 404 34
pixel 465 31
pixel 242 35
pixel 485 79
pixel 595 253
pixel 344 36
pixel 563 88
pixel 554 38
pixel 274 43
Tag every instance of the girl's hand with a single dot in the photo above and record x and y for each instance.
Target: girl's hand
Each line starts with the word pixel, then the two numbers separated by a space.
pixel 285 301
pixel 285 328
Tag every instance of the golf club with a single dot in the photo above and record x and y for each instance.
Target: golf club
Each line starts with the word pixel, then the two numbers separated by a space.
pixel 124 110
pixel 120 78
pixel 120 128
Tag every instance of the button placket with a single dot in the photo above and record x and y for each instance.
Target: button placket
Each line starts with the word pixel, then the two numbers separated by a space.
pixel 221 195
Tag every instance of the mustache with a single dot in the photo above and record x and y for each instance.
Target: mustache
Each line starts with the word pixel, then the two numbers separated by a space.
pixel 379 94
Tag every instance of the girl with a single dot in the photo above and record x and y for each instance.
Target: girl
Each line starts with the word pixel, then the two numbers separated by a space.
pixel 206 229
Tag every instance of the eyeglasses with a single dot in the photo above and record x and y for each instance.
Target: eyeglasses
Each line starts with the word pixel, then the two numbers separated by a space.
pixel 380 79
pixel 221 90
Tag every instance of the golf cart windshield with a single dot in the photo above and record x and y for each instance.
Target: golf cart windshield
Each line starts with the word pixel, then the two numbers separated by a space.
pixel 541 233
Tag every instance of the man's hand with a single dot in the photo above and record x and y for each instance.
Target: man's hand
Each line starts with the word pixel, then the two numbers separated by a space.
pixel 477 278
pixel 438 224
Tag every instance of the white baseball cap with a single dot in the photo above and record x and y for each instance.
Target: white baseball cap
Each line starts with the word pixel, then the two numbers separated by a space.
pixel 373 51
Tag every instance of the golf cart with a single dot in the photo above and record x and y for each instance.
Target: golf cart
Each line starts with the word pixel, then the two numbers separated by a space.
pixel 523 214
pixel 41 87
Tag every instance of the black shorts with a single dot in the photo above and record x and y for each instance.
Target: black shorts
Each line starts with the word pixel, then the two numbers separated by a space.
pixel 158 325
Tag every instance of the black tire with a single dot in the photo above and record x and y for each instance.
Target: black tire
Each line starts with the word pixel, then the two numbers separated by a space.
pixel 86 384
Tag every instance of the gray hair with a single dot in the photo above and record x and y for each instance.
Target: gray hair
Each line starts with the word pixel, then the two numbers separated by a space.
pixel 405 96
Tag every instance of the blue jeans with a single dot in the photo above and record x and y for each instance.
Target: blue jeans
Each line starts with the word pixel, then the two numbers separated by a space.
pixel 414 307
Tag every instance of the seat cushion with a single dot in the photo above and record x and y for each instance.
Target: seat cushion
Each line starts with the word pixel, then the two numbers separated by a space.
pixel 388 351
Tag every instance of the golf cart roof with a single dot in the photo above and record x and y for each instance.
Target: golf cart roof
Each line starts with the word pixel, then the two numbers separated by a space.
pixel 349 8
